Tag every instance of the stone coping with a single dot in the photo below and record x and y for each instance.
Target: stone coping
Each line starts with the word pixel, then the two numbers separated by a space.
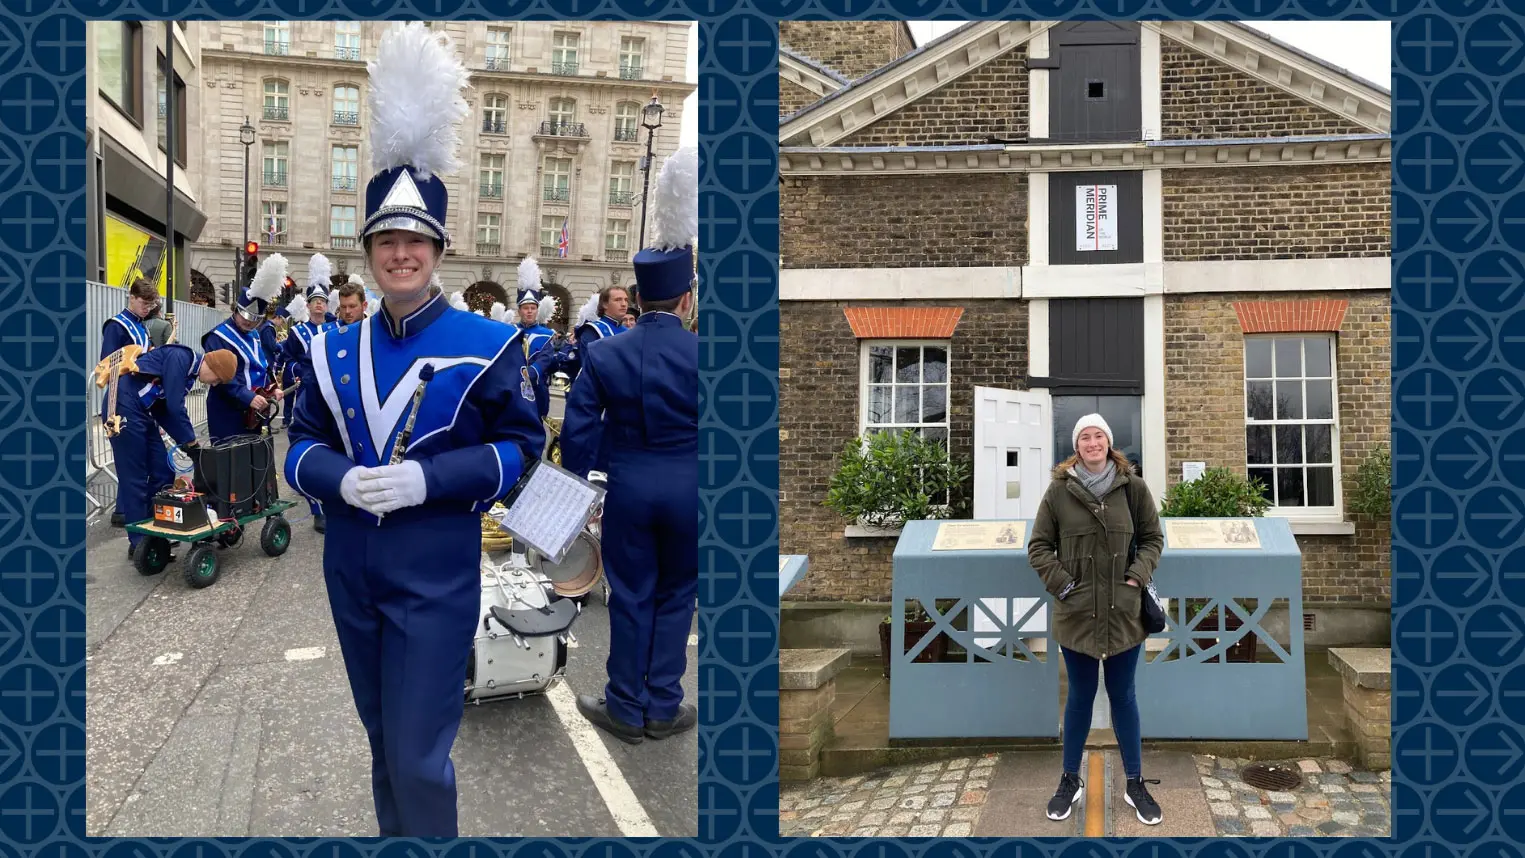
pixel 1364 667
pixel 809 669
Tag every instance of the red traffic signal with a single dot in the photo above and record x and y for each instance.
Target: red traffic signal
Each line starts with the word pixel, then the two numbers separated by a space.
pixel 251 248
pixel 290 284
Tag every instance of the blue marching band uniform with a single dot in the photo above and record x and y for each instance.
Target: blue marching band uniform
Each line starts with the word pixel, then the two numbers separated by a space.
pixel 297 352
pixel 227 404
pixel 123 329
pixel 636 403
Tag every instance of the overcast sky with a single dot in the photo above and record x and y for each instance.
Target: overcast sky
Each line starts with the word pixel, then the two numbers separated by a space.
pixel 1361 47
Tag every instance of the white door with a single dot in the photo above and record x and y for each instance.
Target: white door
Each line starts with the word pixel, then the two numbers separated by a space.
pixel 1013 455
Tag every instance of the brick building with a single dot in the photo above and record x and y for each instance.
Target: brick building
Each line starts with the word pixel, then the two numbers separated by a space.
pixel 1182 225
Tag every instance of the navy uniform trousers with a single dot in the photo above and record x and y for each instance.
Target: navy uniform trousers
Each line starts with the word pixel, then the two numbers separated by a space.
pixel 153 396
pixel 406 591
pixel 636 400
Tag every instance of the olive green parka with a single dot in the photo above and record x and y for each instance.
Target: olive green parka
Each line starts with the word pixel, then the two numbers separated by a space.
pixel 1078 538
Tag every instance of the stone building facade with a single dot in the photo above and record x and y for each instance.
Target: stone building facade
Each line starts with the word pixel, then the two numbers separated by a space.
pixel 553 136
pixel 1227 303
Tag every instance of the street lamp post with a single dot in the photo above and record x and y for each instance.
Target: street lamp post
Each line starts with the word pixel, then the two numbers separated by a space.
pixel 246 137
pixel 651 120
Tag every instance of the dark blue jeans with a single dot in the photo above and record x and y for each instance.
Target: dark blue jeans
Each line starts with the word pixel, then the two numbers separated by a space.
pixel 1120 670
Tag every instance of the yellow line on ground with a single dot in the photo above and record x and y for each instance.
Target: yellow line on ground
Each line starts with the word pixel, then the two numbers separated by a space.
pixel 1096 795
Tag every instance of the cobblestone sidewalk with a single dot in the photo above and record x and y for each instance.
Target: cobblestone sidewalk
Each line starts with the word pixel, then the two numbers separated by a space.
pixel 940 799
pixel 1335 800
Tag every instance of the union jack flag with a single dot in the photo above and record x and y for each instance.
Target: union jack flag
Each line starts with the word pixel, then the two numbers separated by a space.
pixel 561 247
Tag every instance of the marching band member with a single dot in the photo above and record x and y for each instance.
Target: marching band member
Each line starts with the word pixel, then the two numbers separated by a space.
pixel 151 397
pixel 598 319
pixel 352 301
pixel 129 328
pixel 538 338
pixel 417 427
pixel 228 403
pixel 298 345
pixel 638 396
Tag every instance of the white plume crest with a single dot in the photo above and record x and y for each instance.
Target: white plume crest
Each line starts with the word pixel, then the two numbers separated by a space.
pixel 497 311
pixel 320 272
pixel 435 282
pixel 675 202
pixel 529 274
pixel 373 306
pixel 416 82
pixel 458 301
pixel 333 297
pixel 547 311
pixel 589 311
pixel 269 278
pixel 356 279
pixel 297 307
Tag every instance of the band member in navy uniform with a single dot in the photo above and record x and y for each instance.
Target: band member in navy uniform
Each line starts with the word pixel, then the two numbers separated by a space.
pixel 598 319
pixel 539 340
pixel 147 399
pixel 418 424
pixel 639 396
pixel 228 404
pixel 129 327
pixel 298 346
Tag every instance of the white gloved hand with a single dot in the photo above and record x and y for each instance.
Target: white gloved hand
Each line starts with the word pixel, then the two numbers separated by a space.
pixel 349 487
pixel 392 487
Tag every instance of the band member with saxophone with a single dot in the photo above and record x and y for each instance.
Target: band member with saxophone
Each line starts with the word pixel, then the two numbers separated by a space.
pixel 150 397
pixel 228 404
pixel 638 398
pixel 405 463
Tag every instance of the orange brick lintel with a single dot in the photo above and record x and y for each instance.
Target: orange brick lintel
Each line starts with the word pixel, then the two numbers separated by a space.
pixel 1274 317
pixel 903 323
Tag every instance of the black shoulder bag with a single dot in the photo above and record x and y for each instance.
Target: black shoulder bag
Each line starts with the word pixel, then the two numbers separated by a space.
pixel 1151 609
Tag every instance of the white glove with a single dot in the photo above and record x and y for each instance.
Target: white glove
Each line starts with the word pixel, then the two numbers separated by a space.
pixel 392 487
pixel 349 487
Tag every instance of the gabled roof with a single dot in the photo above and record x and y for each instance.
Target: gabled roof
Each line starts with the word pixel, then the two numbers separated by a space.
pixel 808 74
pixel 943 60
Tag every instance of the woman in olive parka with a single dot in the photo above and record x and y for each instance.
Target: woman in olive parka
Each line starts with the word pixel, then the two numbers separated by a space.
pixel 1096 541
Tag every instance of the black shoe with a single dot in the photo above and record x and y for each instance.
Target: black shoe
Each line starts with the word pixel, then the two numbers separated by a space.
pixel 319 522
pixel 686 719
pixel 1070 788
pixel 1138 797
pixel 596 710
pixel 118 520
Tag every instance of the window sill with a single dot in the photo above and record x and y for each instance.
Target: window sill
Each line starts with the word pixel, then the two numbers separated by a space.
pixel 858 531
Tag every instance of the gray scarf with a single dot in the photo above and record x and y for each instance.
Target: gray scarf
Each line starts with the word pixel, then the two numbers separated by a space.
pixel 1096 484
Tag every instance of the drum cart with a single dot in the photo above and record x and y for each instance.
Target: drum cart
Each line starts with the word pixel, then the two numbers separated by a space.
pixel 201 566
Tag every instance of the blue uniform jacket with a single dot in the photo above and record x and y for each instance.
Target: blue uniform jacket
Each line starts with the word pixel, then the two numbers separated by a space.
pixel 541 355
pixel 636 395
pixel 298 349
pixel 227 403
pixel 569 358
pixel 472 436
pixel 123 329
pixel 164 377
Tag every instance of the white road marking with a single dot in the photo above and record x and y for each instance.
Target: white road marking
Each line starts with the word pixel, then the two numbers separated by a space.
pixel 617 794
pixel 168 658
pixel 306 653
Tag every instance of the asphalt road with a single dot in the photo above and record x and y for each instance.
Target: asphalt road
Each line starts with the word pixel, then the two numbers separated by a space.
pixel 226 712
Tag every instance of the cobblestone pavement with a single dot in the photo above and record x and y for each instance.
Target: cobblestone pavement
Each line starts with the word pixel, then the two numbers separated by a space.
pixel 942 799
pixel 1335 800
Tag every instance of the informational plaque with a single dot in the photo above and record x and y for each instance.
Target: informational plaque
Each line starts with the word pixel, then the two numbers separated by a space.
pixel 1096 217
pixel 980 535
pixel 548 509
pixel 1216 534
pixel 1192 471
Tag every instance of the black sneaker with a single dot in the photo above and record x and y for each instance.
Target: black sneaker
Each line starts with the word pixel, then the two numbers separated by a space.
pixel 1070 788
pixel 686 719
pixel 319 522
pixel 1138 798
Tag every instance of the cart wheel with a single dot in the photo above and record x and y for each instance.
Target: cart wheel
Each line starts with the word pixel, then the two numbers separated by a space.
pixel 276 537
pixel 151 555
pixel 201 567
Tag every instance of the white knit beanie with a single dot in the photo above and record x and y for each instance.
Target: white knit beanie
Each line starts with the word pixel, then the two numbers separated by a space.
pixel 1087 422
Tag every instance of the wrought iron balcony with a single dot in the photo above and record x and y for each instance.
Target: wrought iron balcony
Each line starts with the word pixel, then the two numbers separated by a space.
pixel 273 111
pixel 564 68
pixel 345 117
pixel 620 198
pixel 625 135
pixel 346 53
pixel 550 128
pixel 343 183
pixel 487 248
pixel 492 191
pixel 630 72
pixel 275 178
pixel 613 255
pixel 276 48
pixel 342 242
pixel 494 126
pixel 557 195
pixel 497 63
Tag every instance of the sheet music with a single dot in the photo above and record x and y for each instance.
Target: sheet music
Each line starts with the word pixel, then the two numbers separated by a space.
pixel 551 509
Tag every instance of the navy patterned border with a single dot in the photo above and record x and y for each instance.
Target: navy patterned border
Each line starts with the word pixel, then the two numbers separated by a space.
pixel 1459 391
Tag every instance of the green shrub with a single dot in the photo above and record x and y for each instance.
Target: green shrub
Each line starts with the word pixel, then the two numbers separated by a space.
pixel 1218 493
pixel 890 478
pixel 1373 495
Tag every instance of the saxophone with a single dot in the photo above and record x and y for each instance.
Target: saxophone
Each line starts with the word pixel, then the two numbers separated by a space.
pixel 400 449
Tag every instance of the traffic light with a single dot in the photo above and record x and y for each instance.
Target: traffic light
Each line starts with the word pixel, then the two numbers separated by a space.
pixel 249 264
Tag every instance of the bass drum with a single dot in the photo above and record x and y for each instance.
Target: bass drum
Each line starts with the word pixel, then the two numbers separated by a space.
pixel 579 572
pixel 501 666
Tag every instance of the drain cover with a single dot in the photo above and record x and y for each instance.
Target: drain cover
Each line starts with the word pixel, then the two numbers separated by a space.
pixel 1271 776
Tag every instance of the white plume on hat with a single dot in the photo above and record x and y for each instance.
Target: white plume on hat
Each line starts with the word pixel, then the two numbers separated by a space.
pixel 297 306
pixel 416 103
pixel 497 311
pixel 589 311
pixel 547 310
pixel 1087 422
pixel 269 279
pixel 675 202
pixel 356 279
pixel 529 275
pixel 373 306
pixel 458 301
pixel 320 272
